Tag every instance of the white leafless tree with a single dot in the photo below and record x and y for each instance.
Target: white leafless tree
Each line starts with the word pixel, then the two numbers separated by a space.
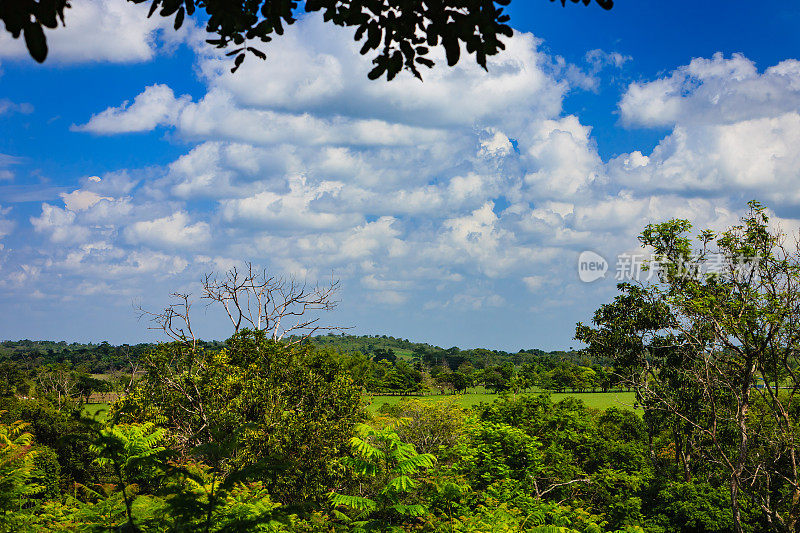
pixel 279 306
pixel 58 381
pixel 253 299
pixel 284 309
pixel 174 319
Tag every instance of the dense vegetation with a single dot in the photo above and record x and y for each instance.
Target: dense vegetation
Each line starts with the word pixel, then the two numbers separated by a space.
pixel 380 364
pixel 102 358
pixel 267 434
pixel 262 435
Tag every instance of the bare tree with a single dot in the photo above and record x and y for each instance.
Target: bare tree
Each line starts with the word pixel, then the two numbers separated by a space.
pixel 57 380
pixel 278 306
pixel 253 299
pixel 174 319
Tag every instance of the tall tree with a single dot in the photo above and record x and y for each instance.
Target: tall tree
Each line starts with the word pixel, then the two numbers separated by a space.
pixel 712 345
pixel 286 411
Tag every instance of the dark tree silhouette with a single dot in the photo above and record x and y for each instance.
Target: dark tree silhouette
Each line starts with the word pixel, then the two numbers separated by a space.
pixel 402 32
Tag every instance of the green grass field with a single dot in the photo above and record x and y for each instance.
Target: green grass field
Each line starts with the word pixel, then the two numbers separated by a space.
pixel 100 410
pixel 596 400
pixel 403 354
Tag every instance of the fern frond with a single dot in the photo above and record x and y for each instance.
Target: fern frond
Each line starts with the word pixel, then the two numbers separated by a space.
pixel 410 510
pixel 365 449
pixel 399 484
pixel 341 516
pixel 414 463
pixel 360 465
pixel 354 502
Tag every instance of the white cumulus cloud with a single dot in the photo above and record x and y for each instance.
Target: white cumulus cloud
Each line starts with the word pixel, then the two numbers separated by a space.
pixel 173 231
pixel 469 191
pixel 156 106
pixel 734 130
pixel 102 31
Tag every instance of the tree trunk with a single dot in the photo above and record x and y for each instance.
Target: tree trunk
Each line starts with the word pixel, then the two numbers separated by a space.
pixel 741 455
pixel 737 516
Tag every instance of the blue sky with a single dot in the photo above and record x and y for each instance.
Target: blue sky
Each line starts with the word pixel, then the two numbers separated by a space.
pixel 453 211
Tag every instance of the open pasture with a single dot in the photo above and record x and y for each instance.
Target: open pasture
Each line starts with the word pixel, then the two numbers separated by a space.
pixel 596 400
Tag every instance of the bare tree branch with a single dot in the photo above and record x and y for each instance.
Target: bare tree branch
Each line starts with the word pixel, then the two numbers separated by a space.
pixel 278 306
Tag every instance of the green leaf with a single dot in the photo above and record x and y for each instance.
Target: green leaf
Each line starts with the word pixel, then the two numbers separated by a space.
pixel 354 502
pixel 400 484
pixel 410 510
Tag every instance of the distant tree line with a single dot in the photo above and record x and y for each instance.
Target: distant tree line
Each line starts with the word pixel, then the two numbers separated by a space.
pixel 100 358
pixel 380 364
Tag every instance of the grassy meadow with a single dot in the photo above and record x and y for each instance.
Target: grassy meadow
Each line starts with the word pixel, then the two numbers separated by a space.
pixel 596 400
pixel 96 410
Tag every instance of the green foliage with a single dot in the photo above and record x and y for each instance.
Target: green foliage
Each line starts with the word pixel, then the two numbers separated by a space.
pixel 65 431
pixel 493 514
pixel 393 465
pixel 100 358
pixel 712 354
pixel 17 464
pixel 498 452
pixel 289 409
pixel 561 452
pixel 46 472
pixel 431 426
pixel 521 464
pixel 197 498
pixel 98 511
pixel 693 506
pixel 131 449
pixel 13 379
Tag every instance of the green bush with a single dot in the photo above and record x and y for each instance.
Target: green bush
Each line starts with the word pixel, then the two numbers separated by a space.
pixel 46 472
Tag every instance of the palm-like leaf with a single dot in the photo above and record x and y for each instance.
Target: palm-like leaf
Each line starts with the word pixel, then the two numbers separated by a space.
pixel 381 454
pixel 400 484
pixel 357 503
pixel 410 510
pixel 414 463
pixel 16 464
